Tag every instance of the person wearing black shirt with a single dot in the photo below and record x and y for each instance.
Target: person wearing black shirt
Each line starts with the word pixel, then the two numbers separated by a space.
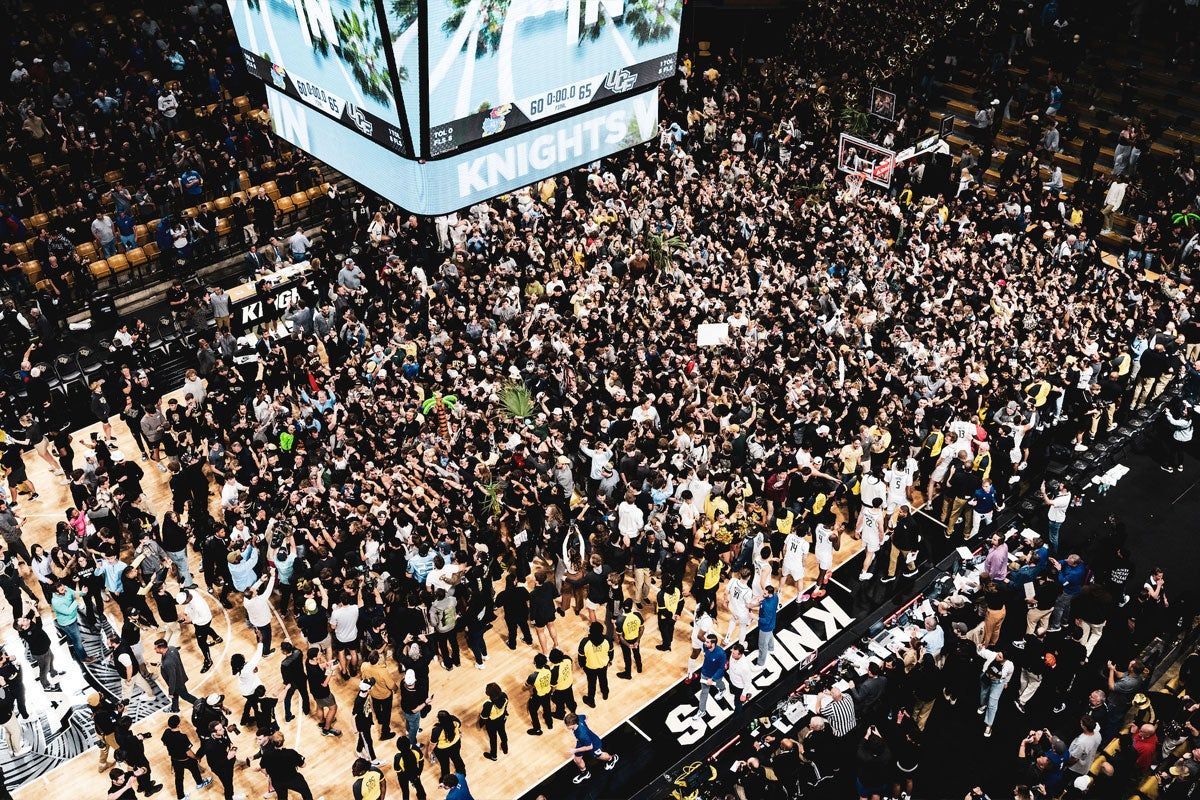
pixel 221 755
pixel 133 753
pixel 282 765
pixel 514 599
pixel 542 610
pixel 408 764
pixel 183 757
pixel 122 783
pixel 291 670
pixel 317 674
pixel 32 630
pixel 174 537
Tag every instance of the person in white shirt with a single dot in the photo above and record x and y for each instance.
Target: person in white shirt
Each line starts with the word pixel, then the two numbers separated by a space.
pixel 702 626
pixel 646 412
pixel 343 620
pixel 630 519
pixel 600 455
pixel 246 672
pixel 997 672
pixel 899 480
pixel 168 107
pixel 740 671
pixel 1057 501
pixel 257 601
pixel 934 640
pixel 870 530
pixel 823 536
pixel 739 596
pixel 195 610
pixel 795 551
pixel 1084 747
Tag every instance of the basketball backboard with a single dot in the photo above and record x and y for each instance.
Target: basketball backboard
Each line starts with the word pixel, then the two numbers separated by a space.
pixel 874 161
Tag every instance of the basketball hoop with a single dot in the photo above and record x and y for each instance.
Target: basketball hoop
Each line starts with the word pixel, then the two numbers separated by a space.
pixel 854 183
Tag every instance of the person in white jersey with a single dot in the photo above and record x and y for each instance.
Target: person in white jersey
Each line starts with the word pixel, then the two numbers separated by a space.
pixel 870 530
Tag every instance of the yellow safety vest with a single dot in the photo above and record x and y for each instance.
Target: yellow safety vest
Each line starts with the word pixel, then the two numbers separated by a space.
pixel 1122 363
pixel 982 465
pixel 631 626
pixel 784 524
pixel 670 601
pixel 444 741
pixel 566 678
pixel 1039 391
pixel 499 709
pixel 541 682
pixel 818 504
pixel 595 656
pixel 934 443
pixel 712 576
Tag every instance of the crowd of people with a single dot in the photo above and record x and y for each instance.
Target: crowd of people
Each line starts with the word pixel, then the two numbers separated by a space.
pixel 503 416
pixel 106 129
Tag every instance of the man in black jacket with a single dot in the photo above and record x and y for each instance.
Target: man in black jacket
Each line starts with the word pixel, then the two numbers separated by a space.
pixel 1155 370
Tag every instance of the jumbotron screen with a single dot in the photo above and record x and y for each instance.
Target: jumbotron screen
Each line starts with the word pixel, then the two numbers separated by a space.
pixel 497 66
pixel 329 54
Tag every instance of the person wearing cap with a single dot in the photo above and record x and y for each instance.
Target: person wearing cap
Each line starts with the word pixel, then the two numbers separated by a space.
pixel 105 713
pixel 414 703
pixel 195 611
pixel 363 713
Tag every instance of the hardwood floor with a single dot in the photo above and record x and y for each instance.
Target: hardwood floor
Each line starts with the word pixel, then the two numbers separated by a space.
pixel 328 767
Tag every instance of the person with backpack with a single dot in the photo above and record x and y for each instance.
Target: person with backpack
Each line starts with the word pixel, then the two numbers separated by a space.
pixel 443 618
pixel 630 626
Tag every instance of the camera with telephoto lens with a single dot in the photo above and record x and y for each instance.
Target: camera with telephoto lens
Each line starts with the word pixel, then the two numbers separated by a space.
pixel 281 532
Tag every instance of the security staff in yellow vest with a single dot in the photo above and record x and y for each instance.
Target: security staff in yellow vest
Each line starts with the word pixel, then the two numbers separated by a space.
pixel 630 626
pixel 595 654
pixel 445 743
pixel 670 604
pixel 493 716
pixel 562 675
pixel 708 577
pixel 540 683
pixel 408 763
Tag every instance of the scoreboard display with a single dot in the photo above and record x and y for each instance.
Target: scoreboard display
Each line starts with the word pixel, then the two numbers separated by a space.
pixel 505 65
pixel 430 80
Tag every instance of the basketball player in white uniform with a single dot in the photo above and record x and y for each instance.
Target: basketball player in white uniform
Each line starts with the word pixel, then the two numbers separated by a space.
pixel 823 536
pixel 702 626
pixel 739 596
pixel 870 530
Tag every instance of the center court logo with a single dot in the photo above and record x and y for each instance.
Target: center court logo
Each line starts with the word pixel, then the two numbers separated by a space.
pixel 796 646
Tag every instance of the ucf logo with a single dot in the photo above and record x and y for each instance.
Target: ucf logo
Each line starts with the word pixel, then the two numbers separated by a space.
pixel 620 80
pixel 360 120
